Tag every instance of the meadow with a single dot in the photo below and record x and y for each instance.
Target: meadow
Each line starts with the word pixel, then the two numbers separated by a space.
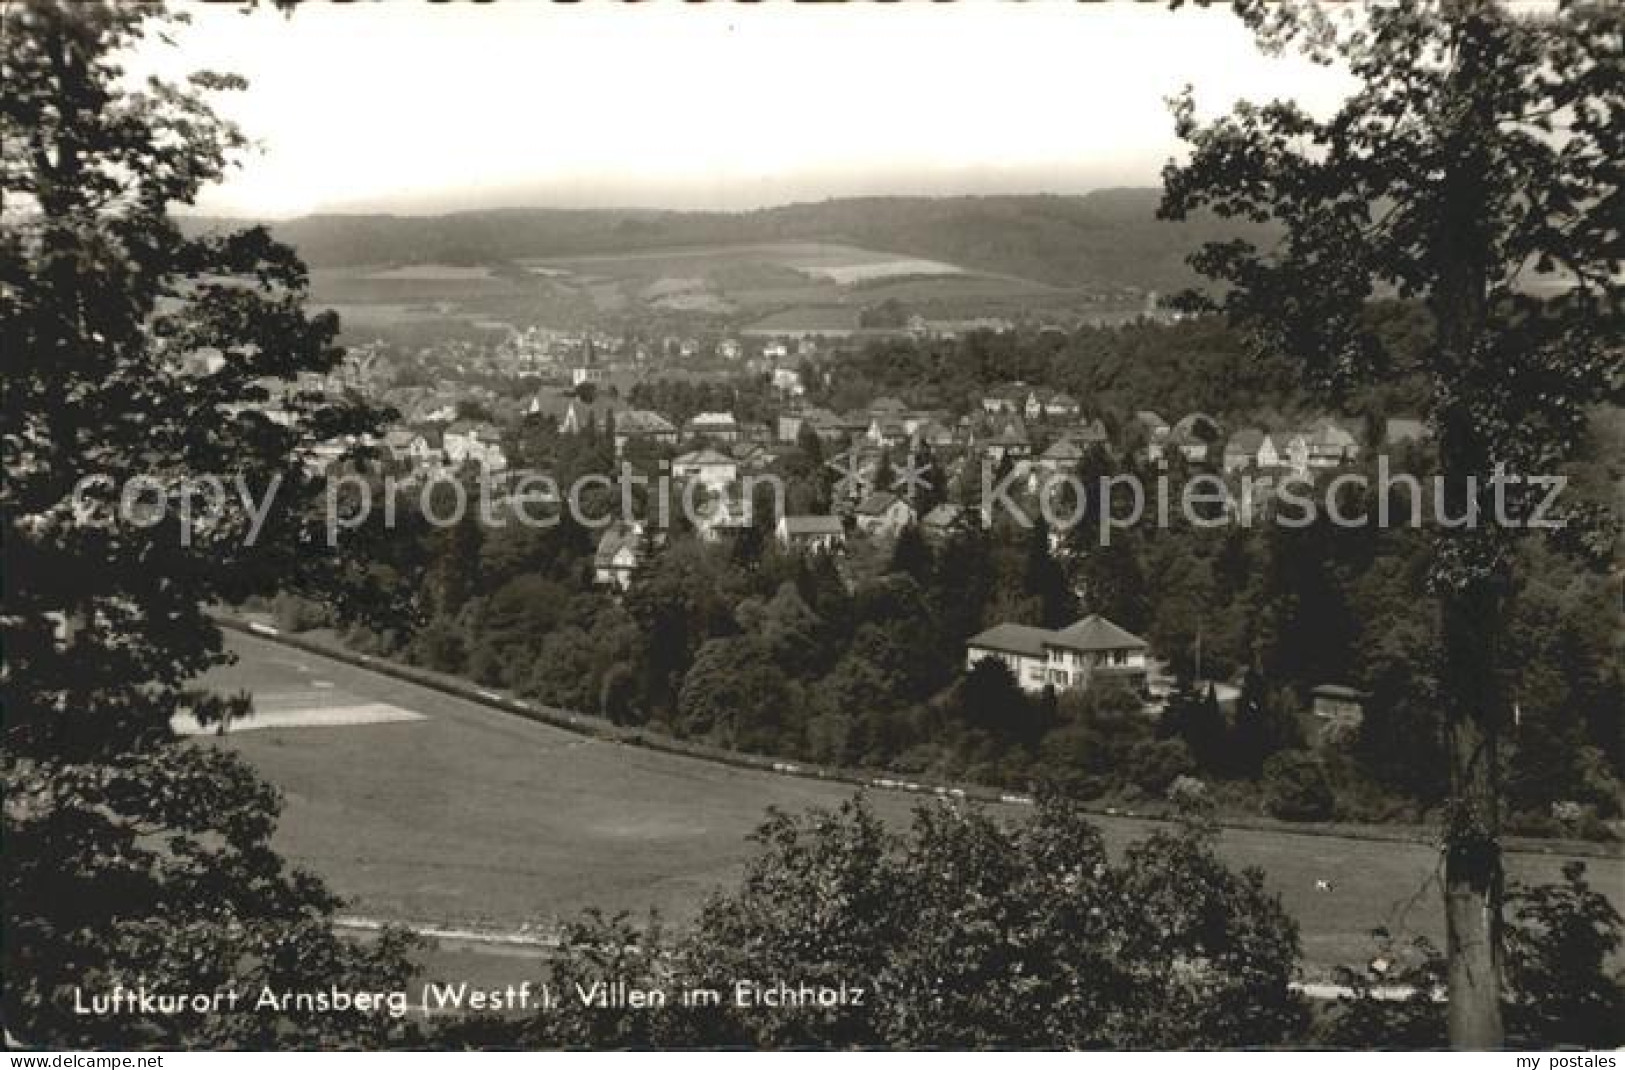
pixel 472 816
pixel 789 286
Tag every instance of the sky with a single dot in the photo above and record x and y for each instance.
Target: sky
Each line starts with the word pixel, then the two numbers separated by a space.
pixel 409 107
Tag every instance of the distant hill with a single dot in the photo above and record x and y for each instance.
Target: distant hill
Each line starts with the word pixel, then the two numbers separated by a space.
pixel 1105 238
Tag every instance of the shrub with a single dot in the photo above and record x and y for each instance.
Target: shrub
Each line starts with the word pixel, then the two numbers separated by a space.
pixel 1296 788
pixel 618 693
pixel 1560 940
pixel 439 646
pixel 295 614
pixel 1154 764
pixel 956 930
pixel 1191 797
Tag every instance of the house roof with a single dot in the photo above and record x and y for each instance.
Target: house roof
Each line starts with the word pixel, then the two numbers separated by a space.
pixel 1013 639
pixel 713 419
pixel 945 515
pixel 1282 440
pixel 1333 443
pixel 705 456
pixel 1092 633
pixel 1404 429
pixel 1095 632
pixel 1329 433
pixel 1063 449
pixel 642 422
pixel 1014 432
pixel 821 418
pixel 812 525
pixel 1339 691
pixel 878 502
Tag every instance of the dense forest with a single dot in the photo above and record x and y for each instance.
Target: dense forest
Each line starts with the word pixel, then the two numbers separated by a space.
pixel 1193 365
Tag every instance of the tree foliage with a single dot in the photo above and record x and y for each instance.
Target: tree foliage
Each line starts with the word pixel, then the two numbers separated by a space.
pixel 136 352
pixel 1564 989
pixel 1476 169
pixel 963 932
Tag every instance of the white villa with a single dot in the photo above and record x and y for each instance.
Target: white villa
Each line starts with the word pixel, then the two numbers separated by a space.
pixel 708 467
pixel 1072 657
pixel 815 534
pixel 477 442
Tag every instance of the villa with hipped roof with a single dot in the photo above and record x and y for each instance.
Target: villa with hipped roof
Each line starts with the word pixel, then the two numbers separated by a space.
pixel 710 467
pixel 642 425
pixel 814 534
pixel 716 426
pixel 1075 657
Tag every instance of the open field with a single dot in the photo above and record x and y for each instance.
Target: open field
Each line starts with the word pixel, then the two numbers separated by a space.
pixel 832 260
pixel 472 815
pixel 798 282
pixel 434 272
pixel 428 301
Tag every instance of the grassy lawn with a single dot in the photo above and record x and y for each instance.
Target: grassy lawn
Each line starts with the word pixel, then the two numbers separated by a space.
pixel 476 816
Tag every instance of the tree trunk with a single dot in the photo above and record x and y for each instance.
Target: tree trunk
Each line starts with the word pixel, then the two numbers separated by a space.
pixel 1471 574
pixel 1472 875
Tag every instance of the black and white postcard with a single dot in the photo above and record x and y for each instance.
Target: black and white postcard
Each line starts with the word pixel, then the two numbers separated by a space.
pixel 813 526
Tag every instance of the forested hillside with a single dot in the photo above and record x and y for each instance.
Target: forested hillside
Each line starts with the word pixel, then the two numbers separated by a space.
pixel 1106 238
